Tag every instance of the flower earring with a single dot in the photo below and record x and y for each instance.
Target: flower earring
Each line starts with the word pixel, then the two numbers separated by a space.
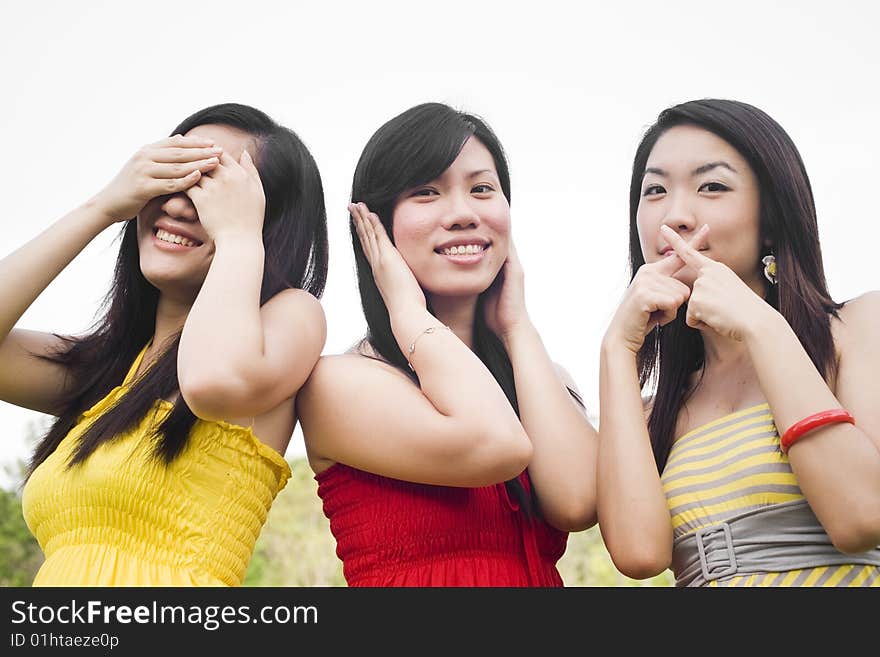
pixel 770 268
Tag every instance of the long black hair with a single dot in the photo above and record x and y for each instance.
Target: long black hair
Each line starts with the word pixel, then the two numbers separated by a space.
pixel 412 149
pixel 296 253
pixel 671 354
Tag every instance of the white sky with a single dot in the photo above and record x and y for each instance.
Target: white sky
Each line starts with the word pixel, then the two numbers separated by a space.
pixel 569 87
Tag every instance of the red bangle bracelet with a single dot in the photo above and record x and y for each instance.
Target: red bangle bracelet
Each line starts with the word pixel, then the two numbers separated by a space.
pixel 798 429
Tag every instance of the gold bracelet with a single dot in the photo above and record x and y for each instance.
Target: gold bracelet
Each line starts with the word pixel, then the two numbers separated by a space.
pixel 412 347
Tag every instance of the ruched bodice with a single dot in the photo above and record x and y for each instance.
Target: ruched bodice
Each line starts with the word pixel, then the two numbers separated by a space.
pixel 124 518
pixel 396 533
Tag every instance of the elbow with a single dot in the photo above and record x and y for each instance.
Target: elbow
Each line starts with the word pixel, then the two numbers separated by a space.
pixel 574 518
pixel 855 528
pixel 500 456
pixel 572 509
pixel 641 564
pixel 514 453
pixel 856 543
pixel 856 537
pixel 639 556
pixel 219 397
pixel 642 570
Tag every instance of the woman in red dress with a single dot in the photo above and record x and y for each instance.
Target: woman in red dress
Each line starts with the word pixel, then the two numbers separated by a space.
pixel 449 449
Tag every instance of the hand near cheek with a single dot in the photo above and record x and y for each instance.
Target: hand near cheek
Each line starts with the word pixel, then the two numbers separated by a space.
pixel 230 200
pixel 394 279
pixel 504 306
pixel 719 299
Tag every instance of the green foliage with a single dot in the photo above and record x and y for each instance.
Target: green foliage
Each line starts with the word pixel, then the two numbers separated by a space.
pixel 20 555
pixel 296 547
pixel 586 563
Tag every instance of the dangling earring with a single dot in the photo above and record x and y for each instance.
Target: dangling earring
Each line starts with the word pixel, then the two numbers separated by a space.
pixel 770 268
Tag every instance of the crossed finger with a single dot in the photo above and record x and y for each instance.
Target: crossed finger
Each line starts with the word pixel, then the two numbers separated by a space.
pixel 687 251
pixel 672 263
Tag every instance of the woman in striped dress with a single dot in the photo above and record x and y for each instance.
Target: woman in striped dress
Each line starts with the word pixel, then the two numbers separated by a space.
pixel 755 459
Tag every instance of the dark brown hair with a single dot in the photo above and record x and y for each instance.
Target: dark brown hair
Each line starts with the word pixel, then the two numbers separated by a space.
pixel 295 238
pixel 412 149
pixel 672 353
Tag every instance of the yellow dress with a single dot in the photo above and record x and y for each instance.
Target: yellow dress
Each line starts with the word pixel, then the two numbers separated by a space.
pixel 124 518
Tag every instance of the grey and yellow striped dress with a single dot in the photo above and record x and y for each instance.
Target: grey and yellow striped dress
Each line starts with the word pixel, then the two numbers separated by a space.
pixel 732 467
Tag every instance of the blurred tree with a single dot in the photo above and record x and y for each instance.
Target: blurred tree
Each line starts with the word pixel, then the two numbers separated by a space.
pixel 20 554
pixel 296 547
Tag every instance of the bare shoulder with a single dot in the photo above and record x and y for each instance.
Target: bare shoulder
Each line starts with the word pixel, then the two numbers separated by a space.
pixel 568 382
pixel 857 321
pixel 865 306
pixel 295 319
pixel 565 376
pixel 298 301
pixel 347 373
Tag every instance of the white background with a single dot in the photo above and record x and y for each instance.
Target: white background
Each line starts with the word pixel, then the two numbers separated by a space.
pixel 569 87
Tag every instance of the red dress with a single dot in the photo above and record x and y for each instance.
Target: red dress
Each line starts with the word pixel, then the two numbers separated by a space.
pixel 396 533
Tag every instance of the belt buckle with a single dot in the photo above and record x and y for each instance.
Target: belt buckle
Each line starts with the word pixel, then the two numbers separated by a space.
pixel 731 569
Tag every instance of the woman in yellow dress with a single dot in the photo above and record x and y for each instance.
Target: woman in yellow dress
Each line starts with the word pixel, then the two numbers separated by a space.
pixel 174 412
pixel 756 460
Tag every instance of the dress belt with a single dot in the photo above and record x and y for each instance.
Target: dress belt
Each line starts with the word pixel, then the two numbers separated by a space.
pixel 776 538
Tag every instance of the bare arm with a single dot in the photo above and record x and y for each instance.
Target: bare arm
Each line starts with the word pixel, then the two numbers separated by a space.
pixel 237 359
pixel 633 513
pixel 838 465
pixel 245 370
pixel 26 380
pixel 563 465
pixel 564 443
pixel 456 429
pixel 165 167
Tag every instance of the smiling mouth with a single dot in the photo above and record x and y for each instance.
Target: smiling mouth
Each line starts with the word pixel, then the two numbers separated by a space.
pixel 463 250
pixel 170 238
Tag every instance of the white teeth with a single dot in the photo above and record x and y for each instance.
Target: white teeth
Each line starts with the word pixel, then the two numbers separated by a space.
pixel 165 236
pixel 464 249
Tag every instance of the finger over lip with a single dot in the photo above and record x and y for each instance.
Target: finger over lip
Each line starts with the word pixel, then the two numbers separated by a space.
pixel 686 250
